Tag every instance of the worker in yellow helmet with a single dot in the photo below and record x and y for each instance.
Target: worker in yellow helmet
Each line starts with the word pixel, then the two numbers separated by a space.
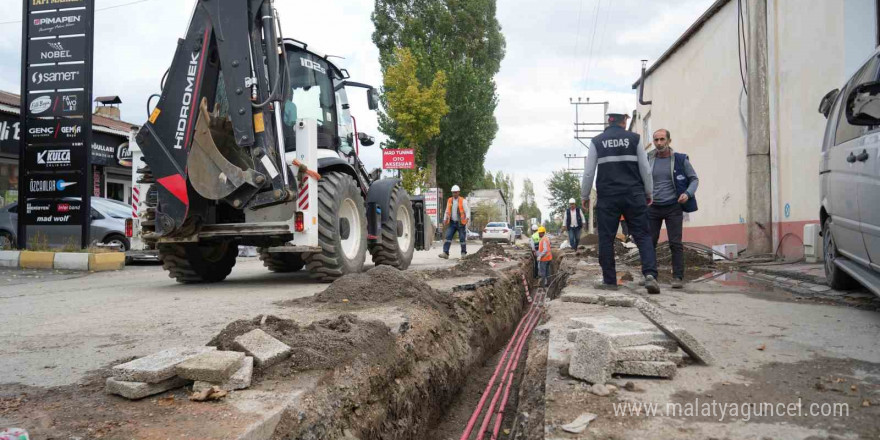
pixel 544 256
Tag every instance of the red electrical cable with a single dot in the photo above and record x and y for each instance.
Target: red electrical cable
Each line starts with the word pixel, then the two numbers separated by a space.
pixel 473 419
pixel 507 372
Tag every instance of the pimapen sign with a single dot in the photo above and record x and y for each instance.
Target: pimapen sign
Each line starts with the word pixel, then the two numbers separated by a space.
pixel 57 50
pixel 56 23
pixel 40 159
pixel 66 76
pixel 45 5
pixel 54 132
pixel 44 104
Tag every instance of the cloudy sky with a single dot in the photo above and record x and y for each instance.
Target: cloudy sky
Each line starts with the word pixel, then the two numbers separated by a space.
pixel 556 50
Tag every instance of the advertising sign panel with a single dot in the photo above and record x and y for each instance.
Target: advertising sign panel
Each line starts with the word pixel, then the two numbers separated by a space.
pixel 41 159
pixel 45 104
pixel 398 159
pixel 55 185
pixel 53 212
pixel 44 5
pixel 65 22
pixel 64 76
pixel 432 204
pixel 55 132
pixel 57 50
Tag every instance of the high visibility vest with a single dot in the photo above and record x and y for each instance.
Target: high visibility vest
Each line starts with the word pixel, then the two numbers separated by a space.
pixel 462 216
pixel 544 246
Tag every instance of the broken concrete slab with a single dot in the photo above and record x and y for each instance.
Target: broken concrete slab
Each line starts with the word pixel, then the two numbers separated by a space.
pixel 213 366
pixel 642 353
pixel 580 297
pixel 619 300
pixel 591 357
pixel 663 369
pixel 612 299
pixel 139 390
pixel 688 343
pixel 240 380
pixel 156 367
pixel 265 349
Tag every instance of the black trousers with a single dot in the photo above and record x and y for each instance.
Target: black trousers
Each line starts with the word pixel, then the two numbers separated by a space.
pixel 634 208
pixel 674 217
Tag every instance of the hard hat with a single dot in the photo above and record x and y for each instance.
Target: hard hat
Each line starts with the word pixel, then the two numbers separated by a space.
pixel 619 108
pixel 571 201
pixel 535 228
pixel 455 188
pixel 542 229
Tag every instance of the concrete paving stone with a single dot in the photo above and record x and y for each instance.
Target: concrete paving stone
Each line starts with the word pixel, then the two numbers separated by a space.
pixel 156 367
pixel 139 390
pixel 641 353
pixel 591 357
pixel 688 343
pixel 577 297
pixel 820 289
pixel 619 300
pixel 651 369
pixel 265 349
pixel 213 366
pixel 677 356
pixel 240 380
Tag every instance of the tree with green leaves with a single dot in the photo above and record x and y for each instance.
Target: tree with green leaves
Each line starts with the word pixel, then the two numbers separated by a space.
pixel 415 107
pixel 562 186
pixel 463 39
pixel 528 208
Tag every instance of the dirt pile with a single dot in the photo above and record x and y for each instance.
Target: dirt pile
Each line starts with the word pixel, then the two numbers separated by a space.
pixel 319 345
pixel 589 239
pixel 383 284
pixel 489 250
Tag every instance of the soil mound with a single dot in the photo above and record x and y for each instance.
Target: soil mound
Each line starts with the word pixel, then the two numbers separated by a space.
pixel 323 344
pixel 489 250
pixel 589 239
pixel 383 284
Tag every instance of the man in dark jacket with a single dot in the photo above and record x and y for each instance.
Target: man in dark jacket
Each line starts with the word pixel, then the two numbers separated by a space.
pixel 675 183
pixel 573 222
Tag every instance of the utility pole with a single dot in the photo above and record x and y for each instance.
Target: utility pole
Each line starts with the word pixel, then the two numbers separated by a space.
pixel 760 221
pixel 585 134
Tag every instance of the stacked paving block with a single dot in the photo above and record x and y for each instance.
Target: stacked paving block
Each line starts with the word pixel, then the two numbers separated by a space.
pixel 607 298
pixel 265 349
pixel 679 334
pixel 152 374
pixel 608 345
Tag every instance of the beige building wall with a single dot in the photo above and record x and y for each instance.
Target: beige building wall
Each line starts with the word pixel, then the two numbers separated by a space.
pixel 696 95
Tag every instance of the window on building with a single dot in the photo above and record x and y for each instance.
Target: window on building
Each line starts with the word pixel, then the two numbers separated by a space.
pixel 846 132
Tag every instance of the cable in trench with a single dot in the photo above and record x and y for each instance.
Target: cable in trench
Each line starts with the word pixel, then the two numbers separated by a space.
pixel 517 341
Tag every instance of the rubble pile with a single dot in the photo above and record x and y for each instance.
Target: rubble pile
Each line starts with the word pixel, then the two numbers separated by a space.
pixel 210 371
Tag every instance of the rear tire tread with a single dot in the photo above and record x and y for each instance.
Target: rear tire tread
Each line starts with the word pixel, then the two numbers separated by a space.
pixel 388 252
pixel 330 264
pixel 185 263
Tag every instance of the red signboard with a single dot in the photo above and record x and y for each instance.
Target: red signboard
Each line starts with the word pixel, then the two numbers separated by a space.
pixel 398 159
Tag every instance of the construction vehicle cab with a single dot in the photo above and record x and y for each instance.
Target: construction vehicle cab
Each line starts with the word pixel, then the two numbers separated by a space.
pixel 253 142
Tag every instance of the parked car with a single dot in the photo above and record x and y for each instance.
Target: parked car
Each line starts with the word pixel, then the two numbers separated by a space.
pixel 108 225
pixel 850 180
pixel 518 232
pixel 471 235
pixel 498 231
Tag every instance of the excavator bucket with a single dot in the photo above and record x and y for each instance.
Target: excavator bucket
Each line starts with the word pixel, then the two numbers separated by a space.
pixel 212 175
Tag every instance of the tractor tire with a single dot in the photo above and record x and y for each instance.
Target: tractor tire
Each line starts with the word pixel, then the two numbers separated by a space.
pixel 198 262
pixel 342 229
pixel 398 233
pixel 282 262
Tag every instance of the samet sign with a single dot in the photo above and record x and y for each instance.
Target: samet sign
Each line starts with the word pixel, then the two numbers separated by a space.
pixel 398 159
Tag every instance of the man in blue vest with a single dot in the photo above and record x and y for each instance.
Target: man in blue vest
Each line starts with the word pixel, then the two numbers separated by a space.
pixel 623 185
pixel 573 222
pixel 675 183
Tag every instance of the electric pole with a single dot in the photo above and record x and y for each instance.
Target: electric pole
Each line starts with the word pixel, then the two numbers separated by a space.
pixel 585 134
pixel 760 217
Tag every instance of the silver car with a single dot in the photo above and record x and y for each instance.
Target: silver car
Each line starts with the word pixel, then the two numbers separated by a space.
pixel 850 180
pixel 108 226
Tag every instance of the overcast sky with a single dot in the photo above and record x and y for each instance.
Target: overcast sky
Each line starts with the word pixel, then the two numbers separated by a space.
pixel 555 51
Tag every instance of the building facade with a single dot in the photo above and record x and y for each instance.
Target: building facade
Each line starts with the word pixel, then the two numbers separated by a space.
pixel 697 90
pixel 111 158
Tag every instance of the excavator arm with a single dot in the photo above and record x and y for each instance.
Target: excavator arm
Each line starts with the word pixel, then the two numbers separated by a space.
pixel 204 147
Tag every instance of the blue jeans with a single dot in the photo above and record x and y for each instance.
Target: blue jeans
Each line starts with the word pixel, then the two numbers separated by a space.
pixel 635 209
pixel 451 229
pixel 574 237
pixel 544 271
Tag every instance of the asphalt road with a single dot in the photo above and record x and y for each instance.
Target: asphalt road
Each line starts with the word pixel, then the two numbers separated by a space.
pixel 55 327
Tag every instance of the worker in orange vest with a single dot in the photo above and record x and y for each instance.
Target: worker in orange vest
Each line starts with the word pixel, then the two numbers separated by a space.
pixel 544 256
pixel 456 219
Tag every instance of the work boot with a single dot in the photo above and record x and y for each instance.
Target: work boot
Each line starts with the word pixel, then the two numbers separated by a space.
pixel 444 256
pixel 651 284
pixel 603 286
pixel 677 283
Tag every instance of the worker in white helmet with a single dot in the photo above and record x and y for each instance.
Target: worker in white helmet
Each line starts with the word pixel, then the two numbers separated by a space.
pixel 573 222
pixel 456 219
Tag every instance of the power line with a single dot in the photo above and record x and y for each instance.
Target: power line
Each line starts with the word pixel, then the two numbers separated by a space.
pixel 585 70
pixel 603 40
pixel 577 40
pixel 96 10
